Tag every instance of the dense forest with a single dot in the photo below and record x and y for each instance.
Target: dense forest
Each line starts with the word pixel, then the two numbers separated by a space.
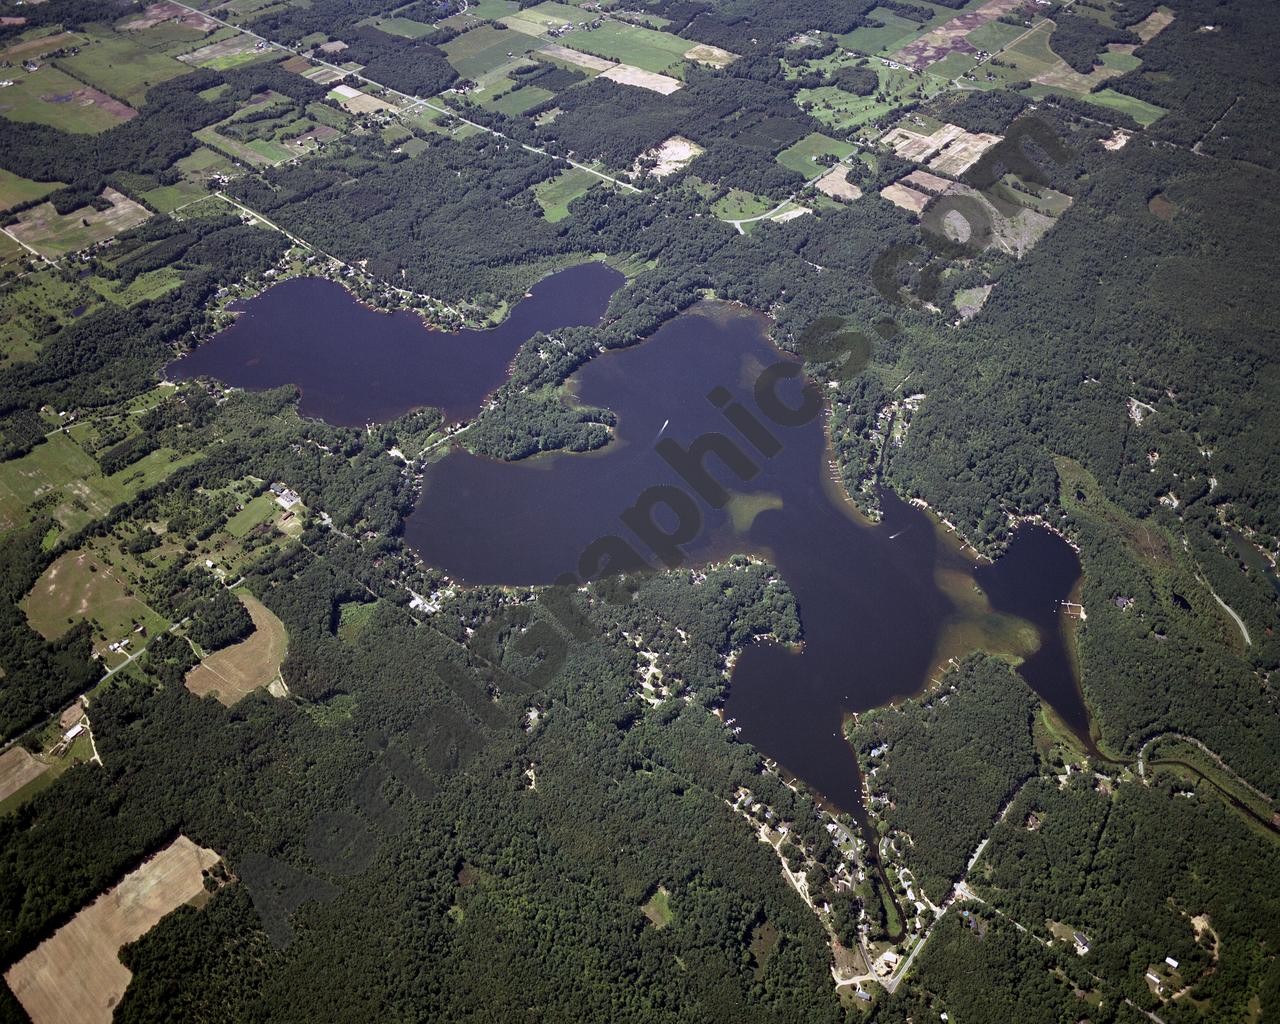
pixel 939 769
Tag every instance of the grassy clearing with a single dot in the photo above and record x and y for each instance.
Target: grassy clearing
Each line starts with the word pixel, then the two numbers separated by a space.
pixel 739 204
pixel 33 310
pixel 148 286
pixel 256 512
pixel 658 909
pixel 120 67
pixel 63 478
pixel 48 96
pixel 555 194
pixel 405 27
pixel 802 156
pixel 15 190
pixel 1146 114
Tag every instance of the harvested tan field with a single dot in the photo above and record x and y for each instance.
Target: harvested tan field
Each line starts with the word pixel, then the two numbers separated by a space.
pixel 625 74
pixel 583 60
pixel 907 198
pixel 17 768
pixel 963 152
pixel 703 53
pixel 1153 24
pixel 232 47
pixel 52 235
pixel 76 977
pixel 360 102
pixel 915 145
pixel 235 671
pixel 787 215
pixel 836 184
pixel 928 182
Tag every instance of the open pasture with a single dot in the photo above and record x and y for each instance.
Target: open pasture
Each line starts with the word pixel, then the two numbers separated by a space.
pixel 802 157
pixel 485 49
pixel 238 670
pixel 52 234
pixel 121 67
pixel 659 52
pixel 48 96
pixel 892 33
pixel 75 976
pixel 81 587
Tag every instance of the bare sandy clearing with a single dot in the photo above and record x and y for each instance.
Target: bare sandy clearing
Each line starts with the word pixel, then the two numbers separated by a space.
pixel 625 74
pixel 583 60
pixel 704 53
pixel 76 977
pixel 671 156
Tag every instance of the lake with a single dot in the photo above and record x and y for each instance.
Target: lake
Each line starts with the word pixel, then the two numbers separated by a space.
pixel 355 365
pixel 883 606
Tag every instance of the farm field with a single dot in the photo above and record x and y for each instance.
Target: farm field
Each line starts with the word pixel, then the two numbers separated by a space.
pixel 15 190
pixel 802 156
pixel 52 234
pixel 76 977
pixel 484 49
pixel 238 670
pixel 886 38
pixel 61 468
pixel 81 587
pixel 555 194
pixel 150 285
pixel 43 303
pixel 121 67
pixel 48 96
pixel 640 47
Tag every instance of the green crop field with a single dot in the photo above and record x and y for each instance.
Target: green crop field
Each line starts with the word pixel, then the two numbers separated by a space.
pixel 121 67
pixel 520 100
pixel 15 190
pixel 555 194
pixel 993 36
pixel 801 156
pixel 484 49
pixel 257 511
pixel 892 35
pixel 640 47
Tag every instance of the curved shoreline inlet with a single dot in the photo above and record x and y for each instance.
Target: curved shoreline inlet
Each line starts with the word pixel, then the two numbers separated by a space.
pixel 355 365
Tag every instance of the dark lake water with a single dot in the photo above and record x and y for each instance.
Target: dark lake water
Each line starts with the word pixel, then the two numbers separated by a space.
pixel 356 365
pixel 881 605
